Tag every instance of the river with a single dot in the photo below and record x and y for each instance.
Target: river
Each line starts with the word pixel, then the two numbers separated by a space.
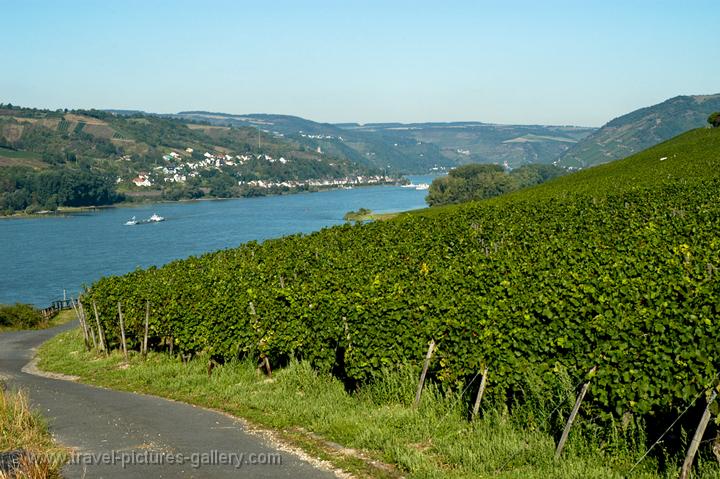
pixel 42 257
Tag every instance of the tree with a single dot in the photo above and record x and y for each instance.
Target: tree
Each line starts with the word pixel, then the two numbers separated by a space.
pixel 714 119
pixel 481 181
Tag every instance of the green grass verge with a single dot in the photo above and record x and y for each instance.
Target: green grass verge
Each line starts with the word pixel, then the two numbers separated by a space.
pixel 435 440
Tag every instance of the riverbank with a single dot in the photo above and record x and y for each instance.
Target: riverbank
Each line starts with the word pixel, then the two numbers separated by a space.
pixel 154 197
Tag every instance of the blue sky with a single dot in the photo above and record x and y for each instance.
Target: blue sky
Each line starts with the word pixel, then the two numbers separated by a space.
pixel 553 62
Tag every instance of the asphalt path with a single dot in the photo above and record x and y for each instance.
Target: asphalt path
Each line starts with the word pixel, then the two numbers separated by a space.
pixel 118 434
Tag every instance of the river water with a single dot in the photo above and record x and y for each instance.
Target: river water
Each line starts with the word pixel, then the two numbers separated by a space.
pixel 41 257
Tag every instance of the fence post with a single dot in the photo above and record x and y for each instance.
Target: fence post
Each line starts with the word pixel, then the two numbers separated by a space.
pixel 481 390
pixel 82 324
pixel 697 438
pixel 147 320
pixel 88 325
pixel 122 332
pixel 575 410
pixel 101 335
pixel 429 354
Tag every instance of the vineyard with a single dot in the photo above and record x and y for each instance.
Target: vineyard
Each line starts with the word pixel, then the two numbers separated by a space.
pixel 614 267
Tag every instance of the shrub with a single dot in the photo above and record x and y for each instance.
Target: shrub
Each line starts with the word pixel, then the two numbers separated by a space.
pixel 19 315
pixel 714 119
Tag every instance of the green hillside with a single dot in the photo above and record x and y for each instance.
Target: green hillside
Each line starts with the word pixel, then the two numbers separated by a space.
pixel 172 157
pixel 641 129
pixel 370 149
pixel 614 267
pixel 416 147
pixel 475 142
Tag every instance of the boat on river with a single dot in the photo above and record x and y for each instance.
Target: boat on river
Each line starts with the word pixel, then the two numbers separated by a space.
pixel 155 218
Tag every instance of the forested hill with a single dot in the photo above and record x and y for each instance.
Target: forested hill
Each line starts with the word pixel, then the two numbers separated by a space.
pixel 135 153
pixel 417 147
pixel 404 155
pixel 641 129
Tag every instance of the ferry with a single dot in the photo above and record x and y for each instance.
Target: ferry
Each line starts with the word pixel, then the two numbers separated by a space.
pixel 155 218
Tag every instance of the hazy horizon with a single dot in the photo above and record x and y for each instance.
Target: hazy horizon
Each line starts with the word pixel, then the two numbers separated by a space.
pixel 558 63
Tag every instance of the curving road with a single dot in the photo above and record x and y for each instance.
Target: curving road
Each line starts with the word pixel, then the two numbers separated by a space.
pixel 109 427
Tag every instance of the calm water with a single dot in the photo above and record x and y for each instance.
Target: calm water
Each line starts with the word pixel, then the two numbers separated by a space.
pixel 42 256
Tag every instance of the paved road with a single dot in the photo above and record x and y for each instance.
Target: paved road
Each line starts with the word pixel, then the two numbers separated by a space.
pixel 110 425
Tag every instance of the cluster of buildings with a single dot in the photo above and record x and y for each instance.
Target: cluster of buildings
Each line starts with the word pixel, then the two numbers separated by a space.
pixel 347 182
pixel 321 137
pixel 180 168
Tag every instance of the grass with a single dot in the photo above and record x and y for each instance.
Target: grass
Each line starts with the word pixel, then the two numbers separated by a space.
pixel 23 429
pixel 435 440
pixel 61 318
pixel 10 157
pixel 363 215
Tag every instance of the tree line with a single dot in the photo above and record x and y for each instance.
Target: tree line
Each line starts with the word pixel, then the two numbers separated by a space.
pixel 482 181
pixel 25 189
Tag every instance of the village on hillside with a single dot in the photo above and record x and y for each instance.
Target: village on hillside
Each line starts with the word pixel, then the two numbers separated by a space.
pixel 179 169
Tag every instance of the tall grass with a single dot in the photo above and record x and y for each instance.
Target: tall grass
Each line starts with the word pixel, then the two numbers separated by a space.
pixel 21 429
pixel 435 440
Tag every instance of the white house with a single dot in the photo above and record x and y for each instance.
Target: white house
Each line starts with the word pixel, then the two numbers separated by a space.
pixel 142 180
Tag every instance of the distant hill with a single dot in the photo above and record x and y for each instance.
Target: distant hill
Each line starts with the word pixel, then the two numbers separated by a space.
pixel 416 147
pixel 475 142
pixel 143 139
pixel 365 148
pixel 138 153
pixel 641 129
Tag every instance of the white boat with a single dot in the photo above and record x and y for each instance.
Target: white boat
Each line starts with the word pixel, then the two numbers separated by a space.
pixel 409 185
pixel 132 221
pixel 155 218
pixel 422 186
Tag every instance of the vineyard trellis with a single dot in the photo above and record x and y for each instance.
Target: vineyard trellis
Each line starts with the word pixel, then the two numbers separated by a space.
pixel 539 283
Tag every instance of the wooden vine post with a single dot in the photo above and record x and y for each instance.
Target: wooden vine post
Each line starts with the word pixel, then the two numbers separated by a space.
pixel 122 332
pixel 428 356
pixel 481 391
pixel 697 438
pixel 571 419
pixel 86 337
pixel 87 325
pixel 266 363
pixel 147 320
pixel 101 335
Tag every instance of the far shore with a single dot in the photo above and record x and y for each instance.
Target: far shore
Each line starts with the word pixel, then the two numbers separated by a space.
pixel 152 198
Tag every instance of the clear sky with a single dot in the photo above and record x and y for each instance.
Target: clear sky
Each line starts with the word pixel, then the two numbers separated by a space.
pixel 575 62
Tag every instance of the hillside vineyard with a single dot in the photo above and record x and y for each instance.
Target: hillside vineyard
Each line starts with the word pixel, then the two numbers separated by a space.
pixel 614 267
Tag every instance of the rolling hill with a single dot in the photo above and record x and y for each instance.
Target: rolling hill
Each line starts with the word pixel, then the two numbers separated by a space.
pixel 369 149
pixel 416 147
pixel 140 154
pixel 641 129
pixel 475 142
